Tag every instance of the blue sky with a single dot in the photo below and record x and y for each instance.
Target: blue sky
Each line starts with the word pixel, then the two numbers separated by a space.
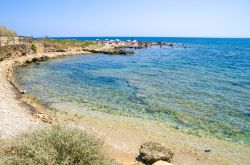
pixel 170 18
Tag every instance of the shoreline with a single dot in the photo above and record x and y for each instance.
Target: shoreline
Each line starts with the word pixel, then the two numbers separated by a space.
pixel 17 113
pixel 116 131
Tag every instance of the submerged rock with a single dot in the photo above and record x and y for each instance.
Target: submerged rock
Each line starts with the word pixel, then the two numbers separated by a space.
pixel 151 152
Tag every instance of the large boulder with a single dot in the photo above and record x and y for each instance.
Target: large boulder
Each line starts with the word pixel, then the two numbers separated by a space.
pixel 152 152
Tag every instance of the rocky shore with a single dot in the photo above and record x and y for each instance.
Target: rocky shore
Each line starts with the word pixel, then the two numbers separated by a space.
pixel 15 115
pixel 111 51
pixel 18 112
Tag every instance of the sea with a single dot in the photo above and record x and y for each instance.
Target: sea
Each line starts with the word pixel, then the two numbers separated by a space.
pixel 201 87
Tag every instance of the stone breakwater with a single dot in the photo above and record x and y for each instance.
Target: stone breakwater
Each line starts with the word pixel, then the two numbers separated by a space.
pixel 14 51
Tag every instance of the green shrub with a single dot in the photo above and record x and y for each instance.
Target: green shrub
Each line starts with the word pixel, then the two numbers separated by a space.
pixel 33 47
pixel 53 146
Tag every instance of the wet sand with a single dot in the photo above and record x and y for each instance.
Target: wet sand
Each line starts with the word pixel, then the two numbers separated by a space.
pixel 124 135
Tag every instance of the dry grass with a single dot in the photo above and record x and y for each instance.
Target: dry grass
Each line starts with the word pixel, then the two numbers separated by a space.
pixel 4 31
pixel 53 146
pixel 66 43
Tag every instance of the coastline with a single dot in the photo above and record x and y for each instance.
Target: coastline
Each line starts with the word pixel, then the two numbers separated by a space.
pixel 122 135
pixel 16 112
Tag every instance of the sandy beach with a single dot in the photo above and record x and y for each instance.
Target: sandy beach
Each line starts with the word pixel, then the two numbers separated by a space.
pixel 15 115
pixel 122 136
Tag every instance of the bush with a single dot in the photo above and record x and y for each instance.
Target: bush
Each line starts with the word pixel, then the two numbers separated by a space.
pixel 53 146
pixel 33 47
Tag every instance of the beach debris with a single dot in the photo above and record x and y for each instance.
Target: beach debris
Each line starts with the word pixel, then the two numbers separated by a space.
pixel 152 152
pixel 160 162
pixel 45 118
pixel 207 150
pixel 23 91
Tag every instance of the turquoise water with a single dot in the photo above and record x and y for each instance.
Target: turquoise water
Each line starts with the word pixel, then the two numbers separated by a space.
pixel 203 88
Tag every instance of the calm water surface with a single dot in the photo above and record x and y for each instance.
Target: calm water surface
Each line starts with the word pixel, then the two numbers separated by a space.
pixel 203 88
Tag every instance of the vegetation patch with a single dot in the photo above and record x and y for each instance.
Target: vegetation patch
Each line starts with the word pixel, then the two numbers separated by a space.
pixel 5 32
pixel 66 43
pixel 33 47
pixel 55 145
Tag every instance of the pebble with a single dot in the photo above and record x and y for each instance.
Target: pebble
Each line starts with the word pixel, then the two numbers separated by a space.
pixel 207 150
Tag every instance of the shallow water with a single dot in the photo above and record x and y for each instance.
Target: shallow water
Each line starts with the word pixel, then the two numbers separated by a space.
pixel 203 88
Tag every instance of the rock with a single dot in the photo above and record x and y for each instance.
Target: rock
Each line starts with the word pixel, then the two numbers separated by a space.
pixel 44 118
pixel 170 44
pixel 28 61
pixel 111 51
pixel 35 59
pixel 151 152
pixel 60 50
pixel 37 62
pixel 14 51
pixel 23 91
pixel 45 58
pixel 123 52
pixel 207 150
pixel 162 163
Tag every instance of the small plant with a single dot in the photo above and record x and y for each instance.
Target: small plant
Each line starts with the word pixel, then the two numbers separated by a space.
pixel 33 47
pixel 53 146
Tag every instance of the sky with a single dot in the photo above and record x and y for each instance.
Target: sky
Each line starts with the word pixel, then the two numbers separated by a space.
pixel 158 18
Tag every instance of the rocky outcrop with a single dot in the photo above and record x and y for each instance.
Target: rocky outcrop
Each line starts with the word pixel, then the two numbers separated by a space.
pixel 151 152
pixel 54 49
pixel 14 51
pixel 111 51
pixel 170 44
pixel 37 60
